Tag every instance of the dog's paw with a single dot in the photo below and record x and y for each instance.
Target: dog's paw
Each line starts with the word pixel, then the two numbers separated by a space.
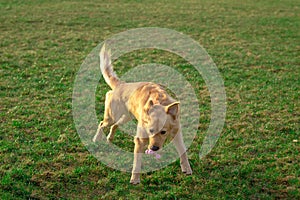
pixel 109 139
pixel 97 137
pixel 186 169
pixel 135 179
pixel 135 182
pixel 188 172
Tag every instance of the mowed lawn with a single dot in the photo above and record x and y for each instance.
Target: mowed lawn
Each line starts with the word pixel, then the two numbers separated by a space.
pixel 255 45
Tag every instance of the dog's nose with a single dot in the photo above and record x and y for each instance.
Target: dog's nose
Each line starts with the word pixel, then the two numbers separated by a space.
pixel 151 130
pixel 154 148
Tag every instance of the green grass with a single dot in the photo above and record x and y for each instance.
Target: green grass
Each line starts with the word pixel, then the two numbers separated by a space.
pixel 255 45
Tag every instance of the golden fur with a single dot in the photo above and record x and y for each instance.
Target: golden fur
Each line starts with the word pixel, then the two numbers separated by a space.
pixel 156 112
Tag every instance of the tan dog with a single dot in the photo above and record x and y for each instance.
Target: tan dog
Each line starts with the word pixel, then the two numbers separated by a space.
pixel 156 112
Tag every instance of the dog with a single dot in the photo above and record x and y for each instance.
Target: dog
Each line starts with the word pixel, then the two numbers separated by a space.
pixel 156 112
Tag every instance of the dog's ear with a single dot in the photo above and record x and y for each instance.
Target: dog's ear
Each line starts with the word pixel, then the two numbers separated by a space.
pixel 148 105
pixel 173 109
pixel 151 103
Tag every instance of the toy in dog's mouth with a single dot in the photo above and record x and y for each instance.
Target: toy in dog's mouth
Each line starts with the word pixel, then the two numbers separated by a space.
pixel 151 152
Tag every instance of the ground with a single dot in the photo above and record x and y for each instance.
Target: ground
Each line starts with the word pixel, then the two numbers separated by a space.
pixel 254 44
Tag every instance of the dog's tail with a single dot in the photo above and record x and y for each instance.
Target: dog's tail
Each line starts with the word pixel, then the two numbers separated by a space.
pixel 107 69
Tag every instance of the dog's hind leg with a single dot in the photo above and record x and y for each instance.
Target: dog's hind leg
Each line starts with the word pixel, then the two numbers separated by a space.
pixel 99 134
pixel 107 120
pixel 181 149
pixel 113 128
pixel 112 132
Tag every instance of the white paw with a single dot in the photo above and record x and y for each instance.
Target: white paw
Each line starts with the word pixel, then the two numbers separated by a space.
pixel 135 182
pixel 135 179
pixel 109 139
pixel 188 172
pixel 97 137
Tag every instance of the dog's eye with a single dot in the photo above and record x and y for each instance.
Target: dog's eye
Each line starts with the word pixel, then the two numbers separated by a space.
pixel 163 132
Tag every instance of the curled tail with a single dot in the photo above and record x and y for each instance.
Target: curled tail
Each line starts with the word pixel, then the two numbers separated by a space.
pixel 107 69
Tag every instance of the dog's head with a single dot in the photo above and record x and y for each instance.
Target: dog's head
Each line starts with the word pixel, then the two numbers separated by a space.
pixel 161 122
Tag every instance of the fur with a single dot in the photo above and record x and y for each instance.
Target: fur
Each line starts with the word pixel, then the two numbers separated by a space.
pixel 157 114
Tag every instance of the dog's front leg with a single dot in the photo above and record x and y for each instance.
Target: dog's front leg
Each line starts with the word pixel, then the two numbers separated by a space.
pixel 181 149
pixel 140 144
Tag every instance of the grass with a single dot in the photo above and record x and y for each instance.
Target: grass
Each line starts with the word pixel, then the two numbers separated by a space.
pixel 255 45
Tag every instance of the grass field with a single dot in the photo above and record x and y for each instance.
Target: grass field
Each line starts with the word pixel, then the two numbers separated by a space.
pixel 255 45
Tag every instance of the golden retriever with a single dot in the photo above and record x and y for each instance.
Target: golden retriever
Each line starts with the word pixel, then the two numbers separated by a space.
pixel 156 112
